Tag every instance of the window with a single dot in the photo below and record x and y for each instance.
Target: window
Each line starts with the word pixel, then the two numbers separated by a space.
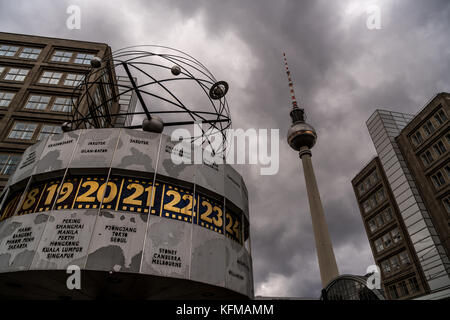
pixel 16 74
pixel 373 201
pixel 360 188
pixel 50 77
pixel 388 215
pixel 5 98
pixel 386 266
pixel 379 245
pixel 446 202
pixel 427 158
pixel 387 241
pixel 404 258
pixel 8 163
pixel 413 285
pixel 367 184
pixel 417 138
pixel 447 136
pixel 36 102
pixel 396 236
pixel 447 171
pixel 84 58
pixel 379 219
pixel 62 105
pixel 366 206
pixel 403 289
pixel 439 148
pixel 380 195
pixel 395 263
pixel 440 117
pixel 8 51
pixel 73 79
pixel 62 56
pixel 438 179
pixel 30 53
pixel 393 292
pixel 48 130
pixel 428 128
pixel 374 177
pixel 372 225
pixel 22 130
pixel 1 70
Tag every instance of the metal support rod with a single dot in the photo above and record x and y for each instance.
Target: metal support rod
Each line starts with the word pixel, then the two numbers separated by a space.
pixel 138 93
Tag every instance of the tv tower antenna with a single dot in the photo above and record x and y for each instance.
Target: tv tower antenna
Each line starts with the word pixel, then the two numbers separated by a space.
pixel 291 83
pixel 302 137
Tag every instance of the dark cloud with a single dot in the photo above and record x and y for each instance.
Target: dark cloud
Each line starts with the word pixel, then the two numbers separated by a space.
pixel 342 72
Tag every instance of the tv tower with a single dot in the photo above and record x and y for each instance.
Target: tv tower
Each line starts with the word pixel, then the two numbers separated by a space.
pixel 302 137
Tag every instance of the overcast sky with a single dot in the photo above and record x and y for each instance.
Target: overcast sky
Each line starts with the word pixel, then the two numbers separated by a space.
pixel 342 71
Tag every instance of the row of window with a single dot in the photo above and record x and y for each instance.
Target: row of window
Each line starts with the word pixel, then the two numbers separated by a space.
pixel 57 56
pixel 404 288
pixel 39 102
pixel 13 74
pixel 374 200
pixel 367 183
pixel 387 240
pixel 47 77
pixel 395 263
pixel 8 163
pixel 435 152
pixel 437 120
pixel 380 220
pixel 27 130
pixel 24 52
pixel 440 179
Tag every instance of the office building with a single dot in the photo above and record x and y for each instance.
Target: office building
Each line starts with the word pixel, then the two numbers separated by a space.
pixel 419 211
pixel 424 144
pixel 391 247
pixel 38 78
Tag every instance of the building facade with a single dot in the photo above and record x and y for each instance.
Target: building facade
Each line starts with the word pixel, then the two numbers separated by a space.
pixel 423 225
pixel 391 247
pixel 38 76
pixel 424 143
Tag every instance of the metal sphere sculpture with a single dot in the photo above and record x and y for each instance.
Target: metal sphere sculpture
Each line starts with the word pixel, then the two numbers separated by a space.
pixel 172 90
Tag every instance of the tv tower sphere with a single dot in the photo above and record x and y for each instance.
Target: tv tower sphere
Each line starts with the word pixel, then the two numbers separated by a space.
pixel 300 134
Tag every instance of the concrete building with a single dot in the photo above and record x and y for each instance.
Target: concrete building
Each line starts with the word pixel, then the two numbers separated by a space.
pixel 391 247
pixel 424 143
pixel 419 191
pixel 38 76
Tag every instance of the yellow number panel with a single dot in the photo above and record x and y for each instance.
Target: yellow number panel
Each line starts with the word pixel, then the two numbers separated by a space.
pixel 233 227
pixel 177 203
pixel 209 214
pixel 31 199
pixel 90 192
pixel 67 193
pixel 49 193
pixel 136 195
pixel 10 206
